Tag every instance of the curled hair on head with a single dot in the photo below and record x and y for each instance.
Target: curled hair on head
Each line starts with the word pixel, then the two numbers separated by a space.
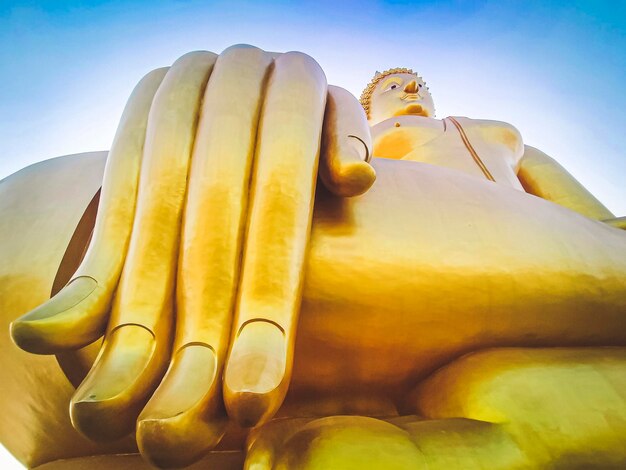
pixel 366 96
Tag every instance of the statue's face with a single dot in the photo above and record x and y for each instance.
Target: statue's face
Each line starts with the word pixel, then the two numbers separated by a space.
pixel 400 94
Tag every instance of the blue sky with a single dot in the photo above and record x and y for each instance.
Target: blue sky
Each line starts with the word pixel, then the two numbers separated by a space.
pixel 556 70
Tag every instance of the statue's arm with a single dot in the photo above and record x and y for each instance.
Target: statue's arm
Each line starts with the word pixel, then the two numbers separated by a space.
pixel 542 176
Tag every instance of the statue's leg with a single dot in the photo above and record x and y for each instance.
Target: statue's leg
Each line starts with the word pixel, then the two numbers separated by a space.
pixel 408 442
pixel 563 407
pixel 225 460
pixel 431 264
pixel 497 409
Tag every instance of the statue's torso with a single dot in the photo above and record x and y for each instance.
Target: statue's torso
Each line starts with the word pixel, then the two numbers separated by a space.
pixel 481 148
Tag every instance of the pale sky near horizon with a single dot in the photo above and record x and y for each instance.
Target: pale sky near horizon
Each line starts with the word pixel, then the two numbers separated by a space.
pixel 555 70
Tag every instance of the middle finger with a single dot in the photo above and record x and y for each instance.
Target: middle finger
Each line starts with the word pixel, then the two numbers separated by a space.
pixel 186 417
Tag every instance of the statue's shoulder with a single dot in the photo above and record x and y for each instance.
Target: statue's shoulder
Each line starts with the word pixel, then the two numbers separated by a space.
pixel 496 132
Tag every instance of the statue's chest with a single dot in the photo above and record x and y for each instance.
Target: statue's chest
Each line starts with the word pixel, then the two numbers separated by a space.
pixel 452 146
pixel 402 136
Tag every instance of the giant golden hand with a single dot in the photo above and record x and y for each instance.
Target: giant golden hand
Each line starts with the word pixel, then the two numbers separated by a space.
pixel 203 224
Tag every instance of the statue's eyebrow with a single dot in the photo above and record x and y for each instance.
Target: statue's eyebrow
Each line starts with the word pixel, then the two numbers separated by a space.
pixel 391 80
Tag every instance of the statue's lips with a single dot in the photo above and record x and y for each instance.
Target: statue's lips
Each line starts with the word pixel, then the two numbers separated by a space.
pixel 413 109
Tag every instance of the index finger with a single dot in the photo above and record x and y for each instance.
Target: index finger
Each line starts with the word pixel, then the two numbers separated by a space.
pixel 346 146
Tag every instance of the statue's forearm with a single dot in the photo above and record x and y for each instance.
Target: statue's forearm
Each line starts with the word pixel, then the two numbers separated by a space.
pixel 544 177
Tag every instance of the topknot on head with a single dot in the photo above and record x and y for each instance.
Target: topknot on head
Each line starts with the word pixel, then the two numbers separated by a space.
pixel 366 96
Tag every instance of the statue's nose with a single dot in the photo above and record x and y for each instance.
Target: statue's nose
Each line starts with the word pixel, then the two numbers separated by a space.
pixel 411 87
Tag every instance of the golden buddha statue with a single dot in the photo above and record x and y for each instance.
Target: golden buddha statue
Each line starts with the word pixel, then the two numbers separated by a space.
pixel 441 317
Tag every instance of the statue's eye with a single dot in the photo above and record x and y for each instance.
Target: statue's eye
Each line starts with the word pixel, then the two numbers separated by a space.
pixel 420 85
pixel 392 85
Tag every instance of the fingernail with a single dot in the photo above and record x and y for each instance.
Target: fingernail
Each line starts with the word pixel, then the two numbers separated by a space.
pixel 107 403
pixel 184 419
pixel 51 326
pixel 254 385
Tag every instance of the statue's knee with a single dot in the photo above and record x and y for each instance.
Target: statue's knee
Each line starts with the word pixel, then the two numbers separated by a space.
pixel 349 442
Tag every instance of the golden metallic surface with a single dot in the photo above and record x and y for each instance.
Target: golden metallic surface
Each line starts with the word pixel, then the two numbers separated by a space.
pixel 488 150
pixel 77 315
pixel 544 177
pixel 222 460
pixel 41 206
pixel 578 425
pixel 335 305
pixel 330 356
pixel 137 343
pixel 258 370
pixel 346 146
pixel 427 272
pixel 617 222
pixel 496 409
pixel 189 402
pixel 397 92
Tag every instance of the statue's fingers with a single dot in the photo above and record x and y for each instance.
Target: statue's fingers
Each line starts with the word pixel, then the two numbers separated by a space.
pixel 258 369
pixel 136 347
pixel 77 315
pixel 346 145
pixel 185 417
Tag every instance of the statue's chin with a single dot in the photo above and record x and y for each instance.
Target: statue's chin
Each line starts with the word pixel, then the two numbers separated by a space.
pixel 413 110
